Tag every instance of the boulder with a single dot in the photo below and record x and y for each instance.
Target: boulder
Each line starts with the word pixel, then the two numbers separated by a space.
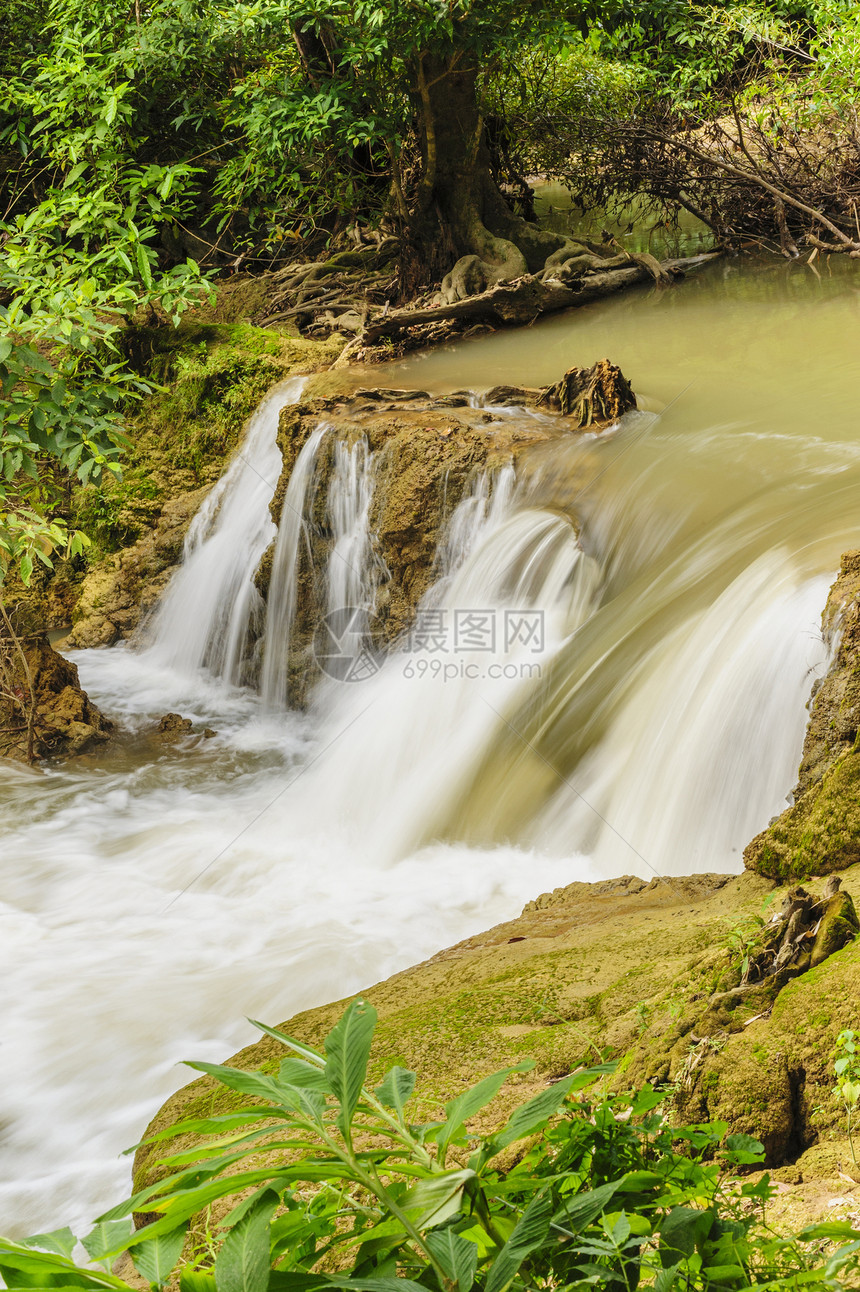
pixel 44 713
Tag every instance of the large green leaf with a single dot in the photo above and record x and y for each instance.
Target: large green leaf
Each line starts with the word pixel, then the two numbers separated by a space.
pixel 247 1083
pixel 396 1089
pixel 242 1264
pixel 61 1241
pixel 195 1281
pixel 298 1072
pixel 347 1049
pixel 471 1101
pixel 436 1198
pixel 681 1232
pixel 156 1258
pixel 528 1234
pixel 457 1256
pixel 25 1267
pixel 106 1240
pixel 579 1211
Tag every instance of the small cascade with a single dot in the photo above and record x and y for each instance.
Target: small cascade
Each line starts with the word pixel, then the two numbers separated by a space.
pixel 283 582
pixel 518 585
pixel 353 568
pixel 473 518
pixel 211 605
pixel 702 741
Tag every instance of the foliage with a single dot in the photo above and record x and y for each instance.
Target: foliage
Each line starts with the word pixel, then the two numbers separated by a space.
pixel 335 1186
pixel 847 1070
pixel 82 216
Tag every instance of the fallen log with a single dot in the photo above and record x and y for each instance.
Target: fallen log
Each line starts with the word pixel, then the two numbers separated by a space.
pixel 526 298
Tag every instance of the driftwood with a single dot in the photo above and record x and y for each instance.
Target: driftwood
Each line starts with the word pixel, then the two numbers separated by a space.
pixel 526 298
pixel 599 394
pixel 800 936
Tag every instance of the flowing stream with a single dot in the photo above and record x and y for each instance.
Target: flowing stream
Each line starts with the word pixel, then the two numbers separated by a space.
pixel 622 694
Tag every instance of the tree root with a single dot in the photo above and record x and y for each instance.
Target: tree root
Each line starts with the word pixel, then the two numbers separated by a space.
pixel 527 297
pixel 800 936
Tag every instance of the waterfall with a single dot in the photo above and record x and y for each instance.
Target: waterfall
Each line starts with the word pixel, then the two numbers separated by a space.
pixel 476 515
pixel 415 733
pixel 354 569
pixel 211 603
pixel 283 582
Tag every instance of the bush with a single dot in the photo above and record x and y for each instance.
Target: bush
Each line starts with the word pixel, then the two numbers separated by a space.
pixel 338 1188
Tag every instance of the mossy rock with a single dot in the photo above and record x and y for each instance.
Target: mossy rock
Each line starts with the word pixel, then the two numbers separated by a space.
pixel 819 834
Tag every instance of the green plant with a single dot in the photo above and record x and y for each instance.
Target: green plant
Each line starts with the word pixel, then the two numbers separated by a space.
pixel 334 1186
pixel 847 1069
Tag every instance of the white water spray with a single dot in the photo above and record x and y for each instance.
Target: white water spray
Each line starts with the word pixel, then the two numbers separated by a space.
pixel 211 603
pixel 283 582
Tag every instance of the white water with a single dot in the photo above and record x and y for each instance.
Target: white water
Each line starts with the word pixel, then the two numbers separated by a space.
pixel 155 895
pixel 283 585
pixel 212 603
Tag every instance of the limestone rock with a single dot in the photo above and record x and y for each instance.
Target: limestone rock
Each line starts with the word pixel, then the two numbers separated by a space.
pixel 820 832
pixel 173 727
pixel 65 721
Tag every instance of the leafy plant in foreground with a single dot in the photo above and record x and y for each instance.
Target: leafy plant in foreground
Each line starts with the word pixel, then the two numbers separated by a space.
pixel 334 1186
pixel 847 1069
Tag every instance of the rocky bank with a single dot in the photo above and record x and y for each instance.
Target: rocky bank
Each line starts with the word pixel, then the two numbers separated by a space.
pixel 729 990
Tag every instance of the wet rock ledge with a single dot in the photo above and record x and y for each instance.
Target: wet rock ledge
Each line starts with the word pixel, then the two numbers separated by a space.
pixel 820 832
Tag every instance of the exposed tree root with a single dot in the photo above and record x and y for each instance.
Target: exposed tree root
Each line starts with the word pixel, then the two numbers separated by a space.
pixel 526 298
pixel 800 936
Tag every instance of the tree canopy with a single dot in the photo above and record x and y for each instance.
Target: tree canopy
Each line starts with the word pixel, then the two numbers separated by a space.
pixel 146 147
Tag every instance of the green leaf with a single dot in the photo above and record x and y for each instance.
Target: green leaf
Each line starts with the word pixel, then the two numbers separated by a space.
pixel 396 1089
pixel 247 1083
pixel 347 1049
pixel 436 1198
pixel 143 265
pixel 242 1264
pixel 107 1239
pixel 195 1281
pixel 25 569
pixel 471 1101
pixel 75 174
pixel 681 1232
pixel 584 1208
pixel 156 1258
pixel 744 1150
pixel 529 1233
pixel 828 1229
pixel 62 1241
pixel 457 1256
pixel 297 1072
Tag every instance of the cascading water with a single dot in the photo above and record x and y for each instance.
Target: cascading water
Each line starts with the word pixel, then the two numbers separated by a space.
pixel 283 583
pixel 353 568
pixel 211 603
pixel 156 895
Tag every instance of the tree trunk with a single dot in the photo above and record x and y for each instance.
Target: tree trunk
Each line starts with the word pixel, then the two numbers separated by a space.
pixel 462 230
pixel 460 214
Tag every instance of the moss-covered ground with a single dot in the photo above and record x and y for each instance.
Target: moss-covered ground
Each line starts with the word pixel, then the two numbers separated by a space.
pixel 624 970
